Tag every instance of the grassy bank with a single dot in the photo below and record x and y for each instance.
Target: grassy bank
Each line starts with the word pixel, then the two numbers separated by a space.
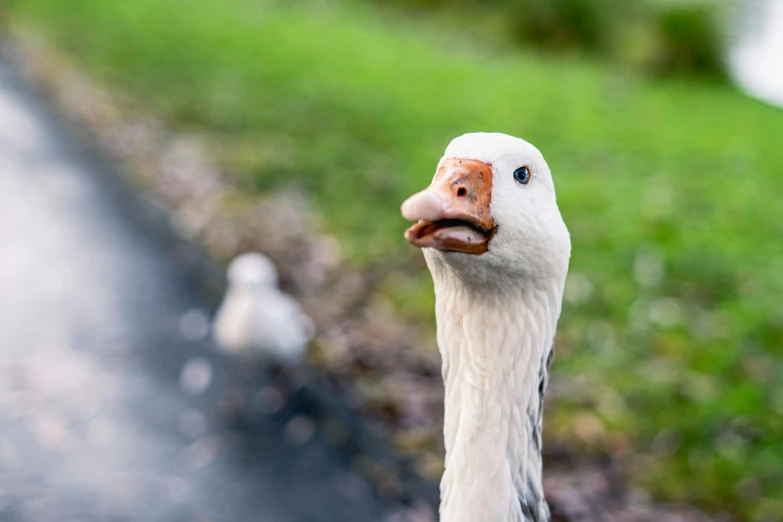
pixel 672 337
pixel 648 36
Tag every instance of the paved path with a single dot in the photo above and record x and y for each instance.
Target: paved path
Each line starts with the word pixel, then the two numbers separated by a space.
pixel 98 317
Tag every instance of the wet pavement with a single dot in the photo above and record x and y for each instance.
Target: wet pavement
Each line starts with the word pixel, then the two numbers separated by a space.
pixel 113 405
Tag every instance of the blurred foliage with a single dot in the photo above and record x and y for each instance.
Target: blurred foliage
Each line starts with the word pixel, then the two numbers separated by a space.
pixel 654 36
pixel 671 340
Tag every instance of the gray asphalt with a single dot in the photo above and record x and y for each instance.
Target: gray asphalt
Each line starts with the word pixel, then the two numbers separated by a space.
pixel 112 403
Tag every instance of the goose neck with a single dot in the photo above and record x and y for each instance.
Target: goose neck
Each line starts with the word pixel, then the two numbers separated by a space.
pixel 496 348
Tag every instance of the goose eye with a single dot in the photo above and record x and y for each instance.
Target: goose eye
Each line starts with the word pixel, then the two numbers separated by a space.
pixel 522 175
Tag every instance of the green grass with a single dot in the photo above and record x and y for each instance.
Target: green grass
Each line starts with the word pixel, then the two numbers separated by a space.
pixel 673 333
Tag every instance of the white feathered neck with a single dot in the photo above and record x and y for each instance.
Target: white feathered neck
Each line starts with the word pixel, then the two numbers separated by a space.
pixel 496 344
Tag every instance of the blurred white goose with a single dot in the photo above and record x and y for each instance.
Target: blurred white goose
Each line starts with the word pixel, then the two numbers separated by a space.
pixel 498 251
pixel 255 319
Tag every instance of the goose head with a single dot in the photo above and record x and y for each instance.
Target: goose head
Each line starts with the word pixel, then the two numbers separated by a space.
pixel 252 270
pixel 490 213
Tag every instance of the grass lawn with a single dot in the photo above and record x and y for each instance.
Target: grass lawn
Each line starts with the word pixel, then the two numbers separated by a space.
pixel 672 335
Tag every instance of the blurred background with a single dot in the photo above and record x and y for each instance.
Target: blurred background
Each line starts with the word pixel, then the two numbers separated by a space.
pixel 296 128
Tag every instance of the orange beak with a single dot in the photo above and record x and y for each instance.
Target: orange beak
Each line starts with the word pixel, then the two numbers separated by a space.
pixel 453 212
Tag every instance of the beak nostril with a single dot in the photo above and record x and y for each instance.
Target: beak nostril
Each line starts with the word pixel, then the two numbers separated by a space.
pixel 462 192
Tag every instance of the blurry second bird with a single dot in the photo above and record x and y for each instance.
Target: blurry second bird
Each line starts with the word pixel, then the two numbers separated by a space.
pixel 255 319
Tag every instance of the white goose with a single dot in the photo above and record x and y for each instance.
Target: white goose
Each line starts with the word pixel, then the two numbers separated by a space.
pixel 256 320
pixel 498 251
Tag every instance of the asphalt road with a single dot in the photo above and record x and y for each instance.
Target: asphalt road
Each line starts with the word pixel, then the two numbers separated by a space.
pixel 112 403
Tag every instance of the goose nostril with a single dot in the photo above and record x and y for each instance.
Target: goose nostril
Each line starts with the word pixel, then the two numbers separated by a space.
pixel 462 192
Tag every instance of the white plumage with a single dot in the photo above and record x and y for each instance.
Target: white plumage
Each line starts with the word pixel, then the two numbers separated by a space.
pixel 498 251
pixel 255 319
